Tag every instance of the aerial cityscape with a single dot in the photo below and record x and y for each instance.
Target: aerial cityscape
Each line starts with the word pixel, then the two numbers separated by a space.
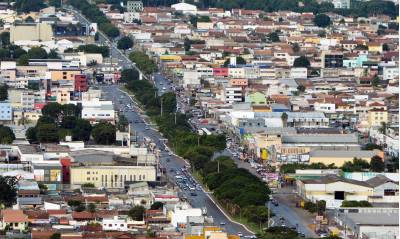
pixel 199 119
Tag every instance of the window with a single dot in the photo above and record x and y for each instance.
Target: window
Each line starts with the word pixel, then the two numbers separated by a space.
pixel 88 172
pixel 390 192
pixel 88 179
pixel 339 195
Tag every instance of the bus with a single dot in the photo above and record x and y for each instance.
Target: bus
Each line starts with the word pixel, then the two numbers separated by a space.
pixel 206 131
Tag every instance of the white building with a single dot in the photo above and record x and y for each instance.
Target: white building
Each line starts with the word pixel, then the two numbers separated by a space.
pixel 191 78
pixel 298 72
pixel 232 94
pixel 181 212
pixel 390 72
pixel 185 8
pixel 374 223
pixel 325 107
pixel 341 3
pixel 96 111
pixel 115 224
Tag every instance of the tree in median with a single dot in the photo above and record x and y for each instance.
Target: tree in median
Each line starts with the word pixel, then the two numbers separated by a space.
pixel 322 20
pixel 104 133
pixel 128 75
pixel 137 213
pixel 301 61
pixel 6 135
pixel 125 43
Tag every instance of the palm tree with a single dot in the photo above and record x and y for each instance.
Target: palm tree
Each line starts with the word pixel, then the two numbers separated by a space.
pixel 284 118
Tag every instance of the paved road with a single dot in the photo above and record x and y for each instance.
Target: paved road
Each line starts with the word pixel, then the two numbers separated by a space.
pixel 175 163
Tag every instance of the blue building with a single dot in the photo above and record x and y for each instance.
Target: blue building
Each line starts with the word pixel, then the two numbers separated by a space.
pixel 5 111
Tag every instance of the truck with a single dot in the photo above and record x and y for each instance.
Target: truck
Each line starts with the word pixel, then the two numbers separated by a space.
pixel 204 210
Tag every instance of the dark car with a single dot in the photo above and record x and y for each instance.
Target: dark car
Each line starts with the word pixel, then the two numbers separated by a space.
pixel 193 194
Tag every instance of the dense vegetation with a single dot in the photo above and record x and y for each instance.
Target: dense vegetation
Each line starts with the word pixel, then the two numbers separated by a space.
pixel 357 165
pixel 6 135
pixel 356 204
pixel 91 48
pixel 95 15
pixel 143 62
pixel 8 191
pixel 57 121
pixel 237 189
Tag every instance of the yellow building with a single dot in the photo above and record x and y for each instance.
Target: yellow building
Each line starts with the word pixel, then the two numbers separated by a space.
pixel 64 74
pixel 339 157
pixel 112 176
pixel 212 232
pixel 31 32
pixel 375 47
pixel 376 117
pixel 63 96
pixel 170 58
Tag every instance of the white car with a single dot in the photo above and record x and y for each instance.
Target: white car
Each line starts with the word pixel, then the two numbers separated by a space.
pixel 240 234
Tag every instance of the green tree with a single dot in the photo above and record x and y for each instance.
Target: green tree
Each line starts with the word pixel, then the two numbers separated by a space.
pixel 137 213
pixel 295 47
pixel 37 53
pixel 346 203
pixel 377 164
pixel 47 133
pixel 56 235
pixel 239 60
pixel 279 233
pixel 375 81
pixel 53 54
pixel 322 20
pixel 104 133
pixel 82 130
pixel 3 92
pixel 125 43
pixel 284 118
pixel 55 3
pixel 6 135
pixel 8 190
pixel 130 74
pixel 23 60
pixel 110 30
pixel 5 39
pixel 169 102
pixel 29 5
pixel 357 165
pixel 91 208
pixel 122 123
pixel 157 206
pixel 273 37
pixel 301 61
pixel 30 134
pixel 301 88
pixel 53 110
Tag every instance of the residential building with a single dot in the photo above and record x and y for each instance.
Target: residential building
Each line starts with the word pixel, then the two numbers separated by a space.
pixel 14 220
pixel 332 59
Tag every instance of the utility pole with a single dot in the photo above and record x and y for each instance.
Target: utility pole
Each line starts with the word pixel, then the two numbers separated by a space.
pixel 162 106
pixel 217 166
pixel 175 117
pixel 268 213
